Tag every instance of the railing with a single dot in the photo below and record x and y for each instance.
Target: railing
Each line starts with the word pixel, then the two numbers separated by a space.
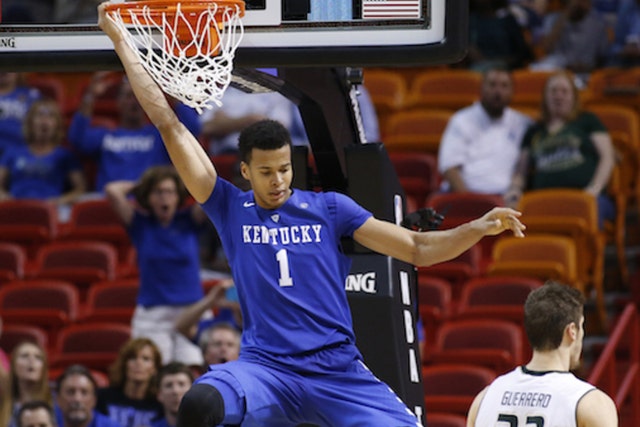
pixel 617 371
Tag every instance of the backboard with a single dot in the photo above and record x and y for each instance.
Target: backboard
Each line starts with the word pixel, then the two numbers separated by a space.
pixel 277 33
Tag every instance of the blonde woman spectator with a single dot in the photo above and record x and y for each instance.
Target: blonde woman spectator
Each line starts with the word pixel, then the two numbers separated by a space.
pixel 568 148
pixel 15 100
pixel 42 169
pixel 28 381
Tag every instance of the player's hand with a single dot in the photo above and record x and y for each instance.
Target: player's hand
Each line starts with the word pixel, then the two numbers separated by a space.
pixel 498 220
pixel 107 24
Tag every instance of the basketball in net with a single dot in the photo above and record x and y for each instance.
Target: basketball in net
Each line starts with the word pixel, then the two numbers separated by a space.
pixel 187 46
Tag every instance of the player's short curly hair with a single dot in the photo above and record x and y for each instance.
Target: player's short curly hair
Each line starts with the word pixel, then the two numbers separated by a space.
pixel 547 312
pixel 263 135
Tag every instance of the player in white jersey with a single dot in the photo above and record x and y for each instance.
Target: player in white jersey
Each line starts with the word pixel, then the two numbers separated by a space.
pixel 298 361
pixel 544 393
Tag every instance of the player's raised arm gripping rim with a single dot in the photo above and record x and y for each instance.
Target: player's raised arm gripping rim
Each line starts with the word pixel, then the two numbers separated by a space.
pixel 188 156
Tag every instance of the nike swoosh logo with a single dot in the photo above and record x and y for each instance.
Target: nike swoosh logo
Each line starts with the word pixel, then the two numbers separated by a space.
pixel 248 204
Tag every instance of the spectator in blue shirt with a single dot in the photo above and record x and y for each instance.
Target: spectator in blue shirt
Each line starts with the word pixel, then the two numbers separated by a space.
pixel 164 231
pixel 42 169
pixel 174 380
pixel 15 100
pixel 625 50
pixel 124 152
pixel 76 400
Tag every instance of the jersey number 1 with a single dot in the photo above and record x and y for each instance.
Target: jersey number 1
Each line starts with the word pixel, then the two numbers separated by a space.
pixel 285 273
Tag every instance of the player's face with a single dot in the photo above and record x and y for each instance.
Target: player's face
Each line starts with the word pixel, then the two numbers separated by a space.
pixel 141 367
pixel 171 389
pixel 497 89
pixel 270 173
pixel 29 363
pixel 560 97
pixel 36 418
pixel 576 349
pixel 164 199
pixel 76 399
pixel 223 346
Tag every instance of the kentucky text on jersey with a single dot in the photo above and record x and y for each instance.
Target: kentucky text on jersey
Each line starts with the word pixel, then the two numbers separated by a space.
pixel 296 234
pixel 518 398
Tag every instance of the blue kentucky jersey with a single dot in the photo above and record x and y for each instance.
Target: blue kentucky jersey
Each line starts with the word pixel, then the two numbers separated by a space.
pixel 288 267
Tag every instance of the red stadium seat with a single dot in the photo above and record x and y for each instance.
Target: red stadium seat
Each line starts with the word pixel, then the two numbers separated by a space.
pixel 96 220
pixel 16 333
pixel 452 387
pixel 542 256
pixel 80 262
pixel 93 344
pixel 112 301
pixel 48 304
pixel 12 261
pixel 416 131
pixel 388 92
pixel 417 172
pixel 458 208
pixel 445 88
pixel 27 222
pixel 499 297
pixel 434 305
pixel 456 271
pixel 496 344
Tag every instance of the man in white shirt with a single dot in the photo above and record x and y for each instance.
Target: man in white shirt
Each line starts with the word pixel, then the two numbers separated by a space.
pixel 481 144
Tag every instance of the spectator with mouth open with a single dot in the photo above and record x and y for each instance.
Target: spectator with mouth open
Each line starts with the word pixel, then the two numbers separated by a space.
pixel 164 230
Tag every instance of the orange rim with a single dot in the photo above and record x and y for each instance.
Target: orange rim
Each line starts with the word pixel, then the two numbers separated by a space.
pixel 169 7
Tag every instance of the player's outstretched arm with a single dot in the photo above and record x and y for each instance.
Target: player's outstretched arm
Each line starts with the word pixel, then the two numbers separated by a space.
pixel 596 409
pixel 188 156
pixel 432 247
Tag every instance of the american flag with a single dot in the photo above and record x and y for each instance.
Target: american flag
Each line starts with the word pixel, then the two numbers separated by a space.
pixel 391 9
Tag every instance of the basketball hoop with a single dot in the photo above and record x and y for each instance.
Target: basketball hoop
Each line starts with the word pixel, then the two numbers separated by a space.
pixel 187 46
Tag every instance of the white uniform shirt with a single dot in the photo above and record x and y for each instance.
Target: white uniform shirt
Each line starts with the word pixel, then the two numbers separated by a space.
pixel 524 398
pixel 486 148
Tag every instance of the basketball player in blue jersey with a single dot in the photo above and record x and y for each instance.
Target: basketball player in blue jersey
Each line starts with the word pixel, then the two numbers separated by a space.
pixel 298 362
pixel 544 392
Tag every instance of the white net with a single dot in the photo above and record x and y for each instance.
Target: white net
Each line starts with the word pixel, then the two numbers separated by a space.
pixel 188 53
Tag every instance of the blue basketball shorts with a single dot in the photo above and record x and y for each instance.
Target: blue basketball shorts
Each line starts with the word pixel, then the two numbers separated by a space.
pixel 267 395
